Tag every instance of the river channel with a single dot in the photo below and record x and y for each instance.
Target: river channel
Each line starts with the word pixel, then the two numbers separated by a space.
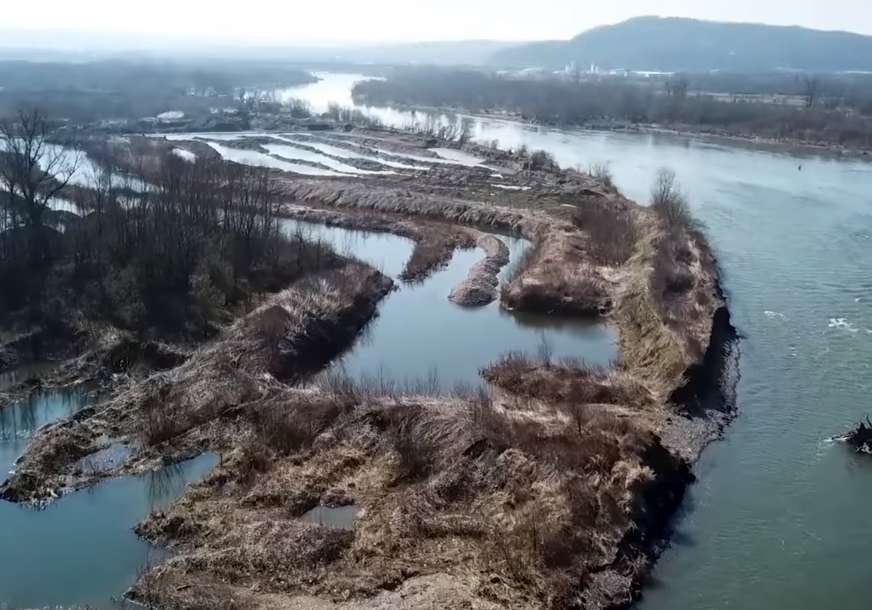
pixel 780 515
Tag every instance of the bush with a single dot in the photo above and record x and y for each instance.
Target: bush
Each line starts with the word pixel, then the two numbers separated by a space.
pixel 290 428
pixel 541 161
pixel 162 420
pixel 603 173
pixel 613 232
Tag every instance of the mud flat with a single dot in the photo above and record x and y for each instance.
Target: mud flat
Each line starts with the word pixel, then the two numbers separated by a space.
pixel 551 487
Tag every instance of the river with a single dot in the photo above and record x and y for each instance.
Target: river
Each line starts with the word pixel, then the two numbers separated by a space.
pixel 780 515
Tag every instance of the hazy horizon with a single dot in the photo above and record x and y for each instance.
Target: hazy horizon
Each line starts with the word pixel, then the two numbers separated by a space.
pixel 102 23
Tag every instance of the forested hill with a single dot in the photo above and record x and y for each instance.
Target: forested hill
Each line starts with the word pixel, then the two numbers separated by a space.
pixel 675 44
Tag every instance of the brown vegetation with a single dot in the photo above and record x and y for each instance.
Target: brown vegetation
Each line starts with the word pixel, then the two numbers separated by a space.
pixel 177 412
pixel 566 381
pixel 522 509
pixel 612 230
pixel 547 492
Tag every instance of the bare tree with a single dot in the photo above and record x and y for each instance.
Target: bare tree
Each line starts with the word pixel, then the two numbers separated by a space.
pixel 677 86
pixel 32 172
pixel 811 88
pixel 665 187
pixel 546 350
pixel 670 202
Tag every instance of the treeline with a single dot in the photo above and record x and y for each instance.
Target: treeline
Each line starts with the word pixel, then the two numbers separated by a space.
pixel 134 89
pixel 851 92
pixel 610 101
pixel 173 256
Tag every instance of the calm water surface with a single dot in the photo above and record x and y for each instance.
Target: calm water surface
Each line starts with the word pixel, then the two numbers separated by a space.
pixel 80 550
pixel 419 332
pixel 781 517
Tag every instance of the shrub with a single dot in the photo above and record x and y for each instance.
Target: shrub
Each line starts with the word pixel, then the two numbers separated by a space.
pixel 162 420
pixel 290 428
pixel 669 202
pixel 541 161
pixel 613 232
pixel 416 455
pixel 603 173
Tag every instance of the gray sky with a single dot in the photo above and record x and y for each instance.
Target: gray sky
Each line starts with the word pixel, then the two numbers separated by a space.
pixel 268 22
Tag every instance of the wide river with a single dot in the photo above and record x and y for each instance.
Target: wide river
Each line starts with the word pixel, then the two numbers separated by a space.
pixel 780 517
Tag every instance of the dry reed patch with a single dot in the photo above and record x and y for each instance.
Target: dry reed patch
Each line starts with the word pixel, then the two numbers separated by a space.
pixel 567 381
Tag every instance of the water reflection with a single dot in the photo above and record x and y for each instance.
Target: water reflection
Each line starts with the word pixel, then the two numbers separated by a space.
pixel 339 517
pixel 19 421
pixel 419 334
pixel 165 484
pixel 80 550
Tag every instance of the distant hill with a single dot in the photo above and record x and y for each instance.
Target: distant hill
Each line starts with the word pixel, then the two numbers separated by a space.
pixel 676 44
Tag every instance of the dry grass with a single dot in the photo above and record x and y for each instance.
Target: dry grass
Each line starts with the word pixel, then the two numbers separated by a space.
pixel 568 381
pixel 554 289
pixel 455 485
pixel 290 428
pixel 162 420
pixel 540 486
pixel 612 230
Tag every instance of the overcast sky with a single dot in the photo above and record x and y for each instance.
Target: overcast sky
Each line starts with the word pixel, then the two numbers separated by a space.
pixel 292 21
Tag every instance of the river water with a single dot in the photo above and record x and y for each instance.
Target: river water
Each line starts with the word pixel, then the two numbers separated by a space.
pixel 780 517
